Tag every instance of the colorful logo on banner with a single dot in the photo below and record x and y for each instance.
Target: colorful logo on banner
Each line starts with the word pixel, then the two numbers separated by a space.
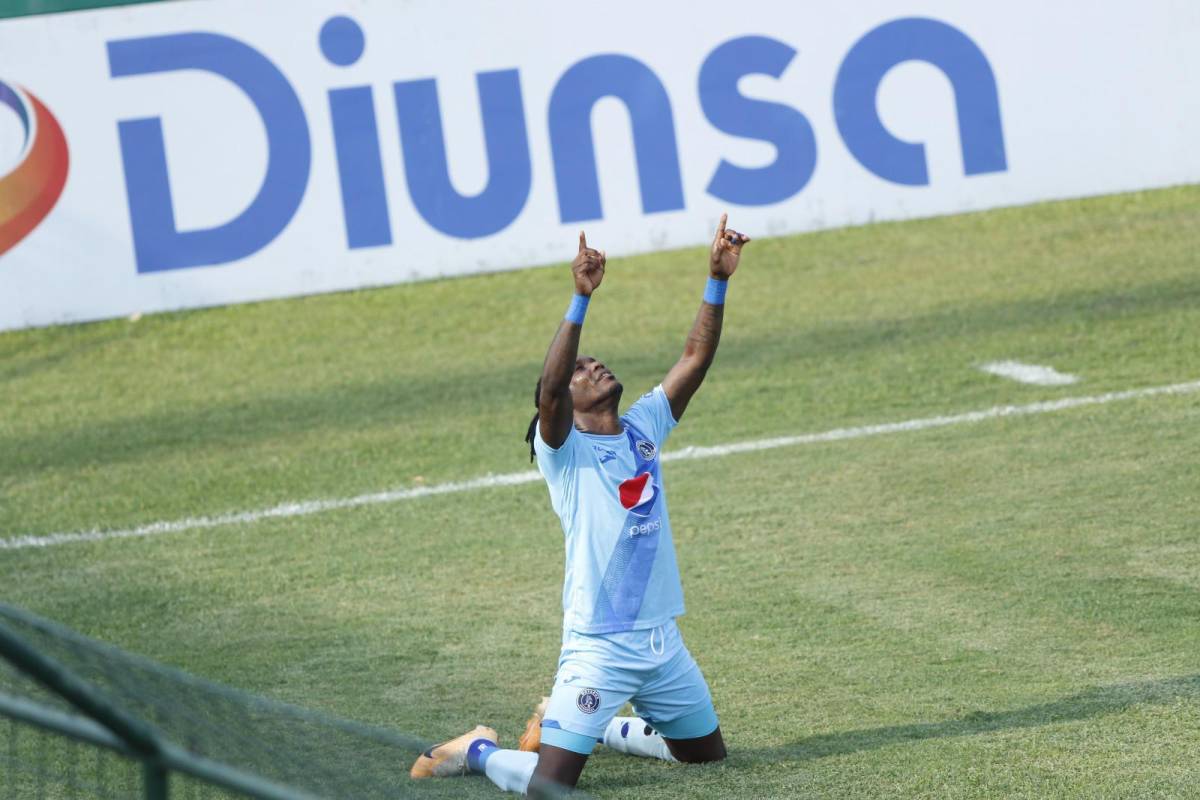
pixel 30 189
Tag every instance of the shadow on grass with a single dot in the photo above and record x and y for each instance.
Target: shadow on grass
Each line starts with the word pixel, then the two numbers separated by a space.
pixel 14 367
pixel 1095 702
pixel 443 392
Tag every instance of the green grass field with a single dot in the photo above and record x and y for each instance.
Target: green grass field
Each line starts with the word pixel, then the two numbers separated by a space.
pixel 1009 608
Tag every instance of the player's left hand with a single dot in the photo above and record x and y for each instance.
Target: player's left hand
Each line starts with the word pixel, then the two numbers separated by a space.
pixel 726 251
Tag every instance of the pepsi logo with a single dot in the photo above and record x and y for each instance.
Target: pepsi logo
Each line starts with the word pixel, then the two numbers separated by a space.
pixel 637 491
pixel 645 528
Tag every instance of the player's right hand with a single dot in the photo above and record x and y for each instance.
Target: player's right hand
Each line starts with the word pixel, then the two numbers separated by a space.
pixel 588 268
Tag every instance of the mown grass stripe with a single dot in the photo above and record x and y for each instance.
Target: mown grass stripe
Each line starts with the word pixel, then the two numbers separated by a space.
pixel 304 508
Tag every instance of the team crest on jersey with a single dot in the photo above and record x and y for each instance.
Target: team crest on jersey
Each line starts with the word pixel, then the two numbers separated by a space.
pixel 588 701
pixel 646 449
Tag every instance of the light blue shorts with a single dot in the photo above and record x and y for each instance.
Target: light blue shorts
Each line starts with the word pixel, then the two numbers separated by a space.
pixel 599 673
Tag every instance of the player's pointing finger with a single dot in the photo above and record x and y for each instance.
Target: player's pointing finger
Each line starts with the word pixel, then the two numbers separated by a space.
pixel 582 242
pixel 721 226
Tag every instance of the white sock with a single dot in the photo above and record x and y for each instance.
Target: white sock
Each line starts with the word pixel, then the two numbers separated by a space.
pixel 629 735
pixel 511 769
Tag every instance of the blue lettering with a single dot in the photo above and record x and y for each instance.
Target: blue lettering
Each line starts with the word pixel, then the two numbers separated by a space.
pixel 342 40
pixel 951 51
pixel 360 170
pixel 734 113
pixel 424 148
pixel 573 150
pixel 158 244
pixel 356 140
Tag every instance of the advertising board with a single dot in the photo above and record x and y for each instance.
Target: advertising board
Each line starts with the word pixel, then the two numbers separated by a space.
pixel 205 152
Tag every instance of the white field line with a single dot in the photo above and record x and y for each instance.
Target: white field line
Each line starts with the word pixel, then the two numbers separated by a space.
pixel 1029 373
pixel 307 507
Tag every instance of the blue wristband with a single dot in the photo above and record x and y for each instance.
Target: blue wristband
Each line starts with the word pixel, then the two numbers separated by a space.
pixel 714 292
pixel 578 309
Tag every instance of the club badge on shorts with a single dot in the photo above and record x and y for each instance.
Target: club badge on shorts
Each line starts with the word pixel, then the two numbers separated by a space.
pixel 646 449
pixel 588 701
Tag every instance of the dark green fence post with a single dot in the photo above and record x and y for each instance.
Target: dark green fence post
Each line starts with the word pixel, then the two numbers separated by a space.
pixel 154 779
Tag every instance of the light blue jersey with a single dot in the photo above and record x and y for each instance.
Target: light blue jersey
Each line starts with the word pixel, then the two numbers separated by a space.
pixel 621 573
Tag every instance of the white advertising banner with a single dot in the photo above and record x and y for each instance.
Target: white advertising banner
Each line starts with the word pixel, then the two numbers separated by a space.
pixel 204 152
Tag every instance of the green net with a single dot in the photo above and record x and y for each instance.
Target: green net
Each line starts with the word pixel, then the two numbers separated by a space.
pixel 35 763
pixel 294 752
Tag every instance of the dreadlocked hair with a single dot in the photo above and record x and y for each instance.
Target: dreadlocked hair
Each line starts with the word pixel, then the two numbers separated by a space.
pixel 537 395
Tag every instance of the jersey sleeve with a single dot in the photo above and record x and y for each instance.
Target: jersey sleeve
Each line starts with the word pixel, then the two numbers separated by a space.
pixel 651 414
pixel 557 466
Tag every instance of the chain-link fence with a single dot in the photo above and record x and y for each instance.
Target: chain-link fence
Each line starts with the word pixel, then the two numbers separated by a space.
pixel 88 719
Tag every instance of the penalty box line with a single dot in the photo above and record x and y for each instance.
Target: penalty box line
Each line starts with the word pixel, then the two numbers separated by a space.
pixel 304 508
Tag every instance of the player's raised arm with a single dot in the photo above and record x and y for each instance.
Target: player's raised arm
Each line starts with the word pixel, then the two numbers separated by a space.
pixel 555 411
pixel 686 376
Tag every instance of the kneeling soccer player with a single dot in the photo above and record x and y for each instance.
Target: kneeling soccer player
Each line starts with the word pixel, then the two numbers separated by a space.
pixel 621 591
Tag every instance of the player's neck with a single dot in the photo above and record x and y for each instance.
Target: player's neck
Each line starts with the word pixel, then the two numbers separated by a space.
pixel 603 421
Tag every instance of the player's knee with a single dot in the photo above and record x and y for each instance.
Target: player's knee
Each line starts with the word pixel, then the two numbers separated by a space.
pixel 702 758
pixel 705 750
pixel 712 752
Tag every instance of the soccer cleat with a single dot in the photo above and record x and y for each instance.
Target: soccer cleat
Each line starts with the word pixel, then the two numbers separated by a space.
pixel 449 758
pixel 531 739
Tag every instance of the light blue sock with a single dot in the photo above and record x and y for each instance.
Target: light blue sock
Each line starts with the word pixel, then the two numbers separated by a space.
pixel 511 770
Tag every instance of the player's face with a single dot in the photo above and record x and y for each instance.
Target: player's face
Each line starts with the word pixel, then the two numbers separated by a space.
pixel 593 384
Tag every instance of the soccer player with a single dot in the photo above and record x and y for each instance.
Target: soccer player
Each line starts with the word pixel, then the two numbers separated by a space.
pixel 621 590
